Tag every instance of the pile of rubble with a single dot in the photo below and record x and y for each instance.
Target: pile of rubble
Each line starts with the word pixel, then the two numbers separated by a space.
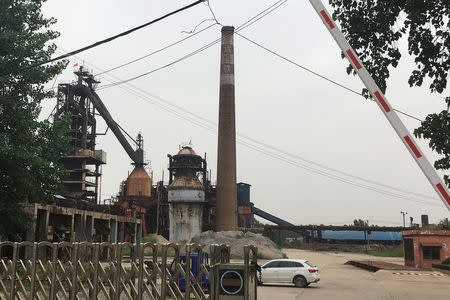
pixel 237 240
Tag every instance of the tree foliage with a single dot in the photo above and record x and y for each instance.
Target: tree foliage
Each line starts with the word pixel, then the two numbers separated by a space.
pixel 360 223
pixel 29 148
pixel 374 29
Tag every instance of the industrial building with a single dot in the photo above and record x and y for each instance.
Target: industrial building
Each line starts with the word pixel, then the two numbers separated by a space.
pixel 425 247
pixel 179 210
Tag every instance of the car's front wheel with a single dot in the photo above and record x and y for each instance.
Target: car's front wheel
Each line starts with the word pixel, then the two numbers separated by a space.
pixel 300 281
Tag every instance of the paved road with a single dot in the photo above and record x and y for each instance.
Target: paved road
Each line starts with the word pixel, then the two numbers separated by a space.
pixel 339 281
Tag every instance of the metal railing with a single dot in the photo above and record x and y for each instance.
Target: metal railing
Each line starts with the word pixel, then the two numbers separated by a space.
pixel 107 271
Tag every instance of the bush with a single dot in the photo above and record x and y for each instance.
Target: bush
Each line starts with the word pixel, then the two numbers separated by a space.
pixel 441 266
pixel 446 261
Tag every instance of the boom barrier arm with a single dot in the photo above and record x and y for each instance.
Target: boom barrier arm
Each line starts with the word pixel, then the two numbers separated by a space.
pixel 383 104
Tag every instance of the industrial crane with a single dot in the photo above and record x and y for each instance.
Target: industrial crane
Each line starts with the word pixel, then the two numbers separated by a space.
pixel 137 156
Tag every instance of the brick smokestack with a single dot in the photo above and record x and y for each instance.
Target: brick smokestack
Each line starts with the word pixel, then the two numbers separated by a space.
pixel 226 198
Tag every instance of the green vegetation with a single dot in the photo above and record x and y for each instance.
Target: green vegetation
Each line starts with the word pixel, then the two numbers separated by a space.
pixel 446 261
pixel 149 239
pixel 29 148
pixel 396 251
pixel 284 255
pixel 375 28
pixel 261 256
pixel 441 266
pixel 288 239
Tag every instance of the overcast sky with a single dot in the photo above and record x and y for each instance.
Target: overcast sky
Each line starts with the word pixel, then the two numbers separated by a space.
pixel 276 104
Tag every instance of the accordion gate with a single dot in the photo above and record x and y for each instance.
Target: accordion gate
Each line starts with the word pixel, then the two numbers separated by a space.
pixel 107 271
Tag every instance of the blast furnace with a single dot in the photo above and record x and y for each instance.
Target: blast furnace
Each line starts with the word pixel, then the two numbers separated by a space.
pixel 186 194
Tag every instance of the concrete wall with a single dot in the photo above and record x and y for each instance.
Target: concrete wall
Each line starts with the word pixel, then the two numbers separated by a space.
pixel 82 225
pixel 185 221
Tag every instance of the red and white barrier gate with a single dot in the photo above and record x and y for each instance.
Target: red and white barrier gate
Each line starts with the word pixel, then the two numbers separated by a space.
pixel 383 103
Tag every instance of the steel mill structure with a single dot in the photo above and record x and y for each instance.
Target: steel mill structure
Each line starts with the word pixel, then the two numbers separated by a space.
pixel 186 194
pixel 177 210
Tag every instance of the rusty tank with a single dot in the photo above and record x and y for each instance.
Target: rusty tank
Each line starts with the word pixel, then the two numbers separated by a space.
pixel 139 183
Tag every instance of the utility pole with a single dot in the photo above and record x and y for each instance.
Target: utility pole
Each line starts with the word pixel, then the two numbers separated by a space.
pixel 404 213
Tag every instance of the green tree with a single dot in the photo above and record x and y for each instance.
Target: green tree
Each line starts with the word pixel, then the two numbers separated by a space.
pixel 360 222
pixel 374 29
pixel 29 148
pixel 444 223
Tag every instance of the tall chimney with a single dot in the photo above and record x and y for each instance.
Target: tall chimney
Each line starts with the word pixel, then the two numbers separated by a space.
pixel 226 198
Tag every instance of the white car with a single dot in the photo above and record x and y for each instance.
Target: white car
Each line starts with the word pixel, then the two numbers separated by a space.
pixel 296 271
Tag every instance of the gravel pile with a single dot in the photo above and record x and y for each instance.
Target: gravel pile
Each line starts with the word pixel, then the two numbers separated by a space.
pixel 237 240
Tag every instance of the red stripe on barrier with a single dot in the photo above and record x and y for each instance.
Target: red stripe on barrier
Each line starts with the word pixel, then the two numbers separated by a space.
pixel 353 59
pixel 443 192
pixel 382 102
pixel 327 19
pixel 412 146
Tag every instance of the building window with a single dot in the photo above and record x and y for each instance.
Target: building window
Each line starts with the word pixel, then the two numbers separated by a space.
pixel 408 245
pixel 431 252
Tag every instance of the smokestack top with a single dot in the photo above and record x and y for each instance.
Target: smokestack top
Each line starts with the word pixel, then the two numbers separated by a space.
pixel 227 29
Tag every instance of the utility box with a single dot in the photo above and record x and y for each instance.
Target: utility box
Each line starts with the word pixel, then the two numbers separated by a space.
pixel 235 282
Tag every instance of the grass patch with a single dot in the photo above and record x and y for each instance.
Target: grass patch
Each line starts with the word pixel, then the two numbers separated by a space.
pixel 284 255
pixel 261 256
pixel 396 251
pixel 149 239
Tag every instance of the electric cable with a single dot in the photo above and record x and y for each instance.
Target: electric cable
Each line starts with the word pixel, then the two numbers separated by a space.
pixel 155 52
pixel 316 74
pixel 108 39
pixel 246 24
pixel 212 127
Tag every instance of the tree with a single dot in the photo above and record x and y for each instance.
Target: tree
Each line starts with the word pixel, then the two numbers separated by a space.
pixel 29 148
pixel 444 223
pixel 374 29
pixel 360 223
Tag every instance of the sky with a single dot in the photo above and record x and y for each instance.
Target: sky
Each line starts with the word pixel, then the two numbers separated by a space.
pixel 277 104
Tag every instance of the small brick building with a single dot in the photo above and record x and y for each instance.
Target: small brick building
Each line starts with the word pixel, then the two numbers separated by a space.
pixel 425 247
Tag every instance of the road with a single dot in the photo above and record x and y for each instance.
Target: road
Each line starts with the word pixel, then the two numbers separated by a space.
pixel 340 281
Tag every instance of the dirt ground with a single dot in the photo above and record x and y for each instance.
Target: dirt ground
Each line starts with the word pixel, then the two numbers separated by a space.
pixel 340 281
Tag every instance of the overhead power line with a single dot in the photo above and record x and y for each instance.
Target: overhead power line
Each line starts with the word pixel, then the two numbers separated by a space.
pixel 262 148
pixel 316 74
pixel 211 126
pixel 156 51
pixel 110 38
pixel 246 24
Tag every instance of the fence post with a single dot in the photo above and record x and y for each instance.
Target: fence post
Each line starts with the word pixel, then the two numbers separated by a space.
pixel 54 266
pixel 13 271
pixel 73 291
pixel 141 271
pixel 118 271
pixel 95 273
pixel 212 272
pixel 187 270
pixel 33 270
pixel 164 273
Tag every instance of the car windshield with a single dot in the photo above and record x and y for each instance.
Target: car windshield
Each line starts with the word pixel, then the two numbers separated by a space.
pixel 309 264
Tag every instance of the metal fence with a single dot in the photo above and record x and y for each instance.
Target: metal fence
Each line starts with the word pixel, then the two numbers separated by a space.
pixel 108 271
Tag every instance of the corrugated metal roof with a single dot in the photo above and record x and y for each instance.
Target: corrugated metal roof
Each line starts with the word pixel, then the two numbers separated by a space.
pixel 359 235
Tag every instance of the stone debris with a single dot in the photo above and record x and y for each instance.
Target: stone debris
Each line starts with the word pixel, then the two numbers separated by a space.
pixel 267 249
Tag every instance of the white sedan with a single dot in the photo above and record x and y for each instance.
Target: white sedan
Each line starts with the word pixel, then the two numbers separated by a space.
pixel 296 271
